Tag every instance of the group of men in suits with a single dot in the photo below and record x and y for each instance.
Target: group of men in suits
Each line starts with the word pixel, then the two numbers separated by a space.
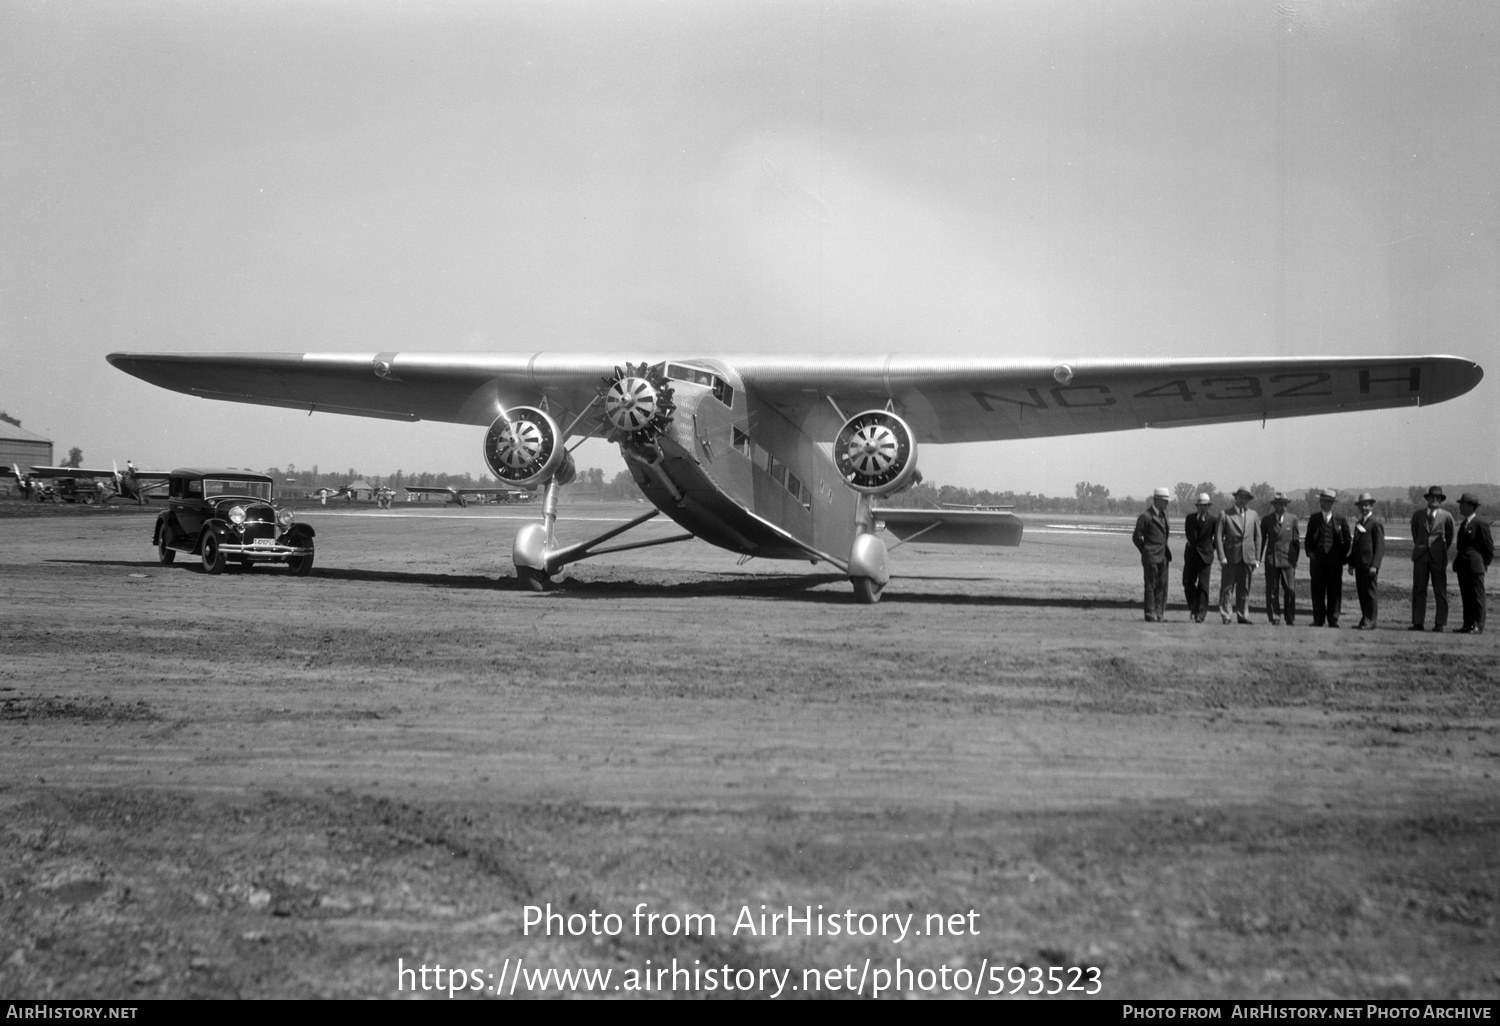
pixel 1241 542
pixel 1433 535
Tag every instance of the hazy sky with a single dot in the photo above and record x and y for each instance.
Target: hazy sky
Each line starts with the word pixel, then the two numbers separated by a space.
pixel 1073 178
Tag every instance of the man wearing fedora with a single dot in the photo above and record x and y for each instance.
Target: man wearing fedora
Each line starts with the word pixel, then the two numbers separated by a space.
pixel 1475 549
pixel 1280 545
pixel 1237 544
pixel 1326 543
pixel 1198 556
pixel 1366 550
pixel 1431 537
pixel 1151 532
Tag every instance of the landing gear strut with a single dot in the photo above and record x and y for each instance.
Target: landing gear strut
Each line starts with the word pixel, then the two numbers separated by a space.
pixel 536 553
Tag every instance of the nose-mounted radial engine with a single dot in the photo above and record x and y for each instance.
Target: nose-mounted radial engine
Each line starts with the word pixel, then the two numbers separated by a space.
pixel 876 454
pixel 638 408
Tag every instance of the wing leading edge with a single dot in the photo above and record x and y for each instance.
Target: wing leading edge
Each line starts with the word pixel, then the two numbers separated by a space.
pixel 944 400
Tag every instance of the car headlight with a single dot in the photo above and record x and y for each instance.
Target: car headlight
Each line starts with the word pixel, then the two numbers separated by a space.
pixel 284 518
pixel 237 514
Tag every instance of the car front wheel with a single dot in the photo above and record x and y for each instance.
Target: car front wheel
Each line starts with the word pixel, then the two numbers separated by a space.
pixel 164 553
pixel 301 565
pixel 213 556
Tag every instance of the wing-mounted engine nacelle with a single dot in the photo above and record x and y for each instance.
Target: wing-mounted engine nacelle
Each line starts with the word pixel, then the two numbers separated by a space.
pixel 876 452
pixel 525 448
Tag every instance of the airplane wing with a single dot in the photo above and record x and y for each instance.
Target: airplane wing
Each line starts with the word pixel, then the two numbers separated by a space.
pixel 951 526
pixel 70 472
pixel 428 491
pixel 944 400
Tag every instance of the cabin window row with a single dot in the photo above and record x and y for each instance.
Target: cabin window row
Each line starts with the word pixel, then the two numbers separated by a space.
pixel 774 467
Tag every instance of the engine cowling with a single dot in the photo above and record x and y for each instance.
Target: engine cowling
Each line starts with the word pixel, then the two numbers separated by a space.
pixel 637 404
pixel 524 447
pixel 875 452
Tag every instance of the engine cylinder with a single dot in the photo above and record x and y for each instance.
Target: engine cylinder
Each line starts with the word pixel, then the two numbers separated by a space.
pixel 875 452
pixel 524 447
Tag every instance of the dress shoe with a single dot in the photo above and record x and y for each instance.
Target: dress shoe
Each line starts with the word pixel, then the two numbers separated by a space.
pixel 1244 619
pixel 1438 629
pixel 1417 627
pixel 1466 630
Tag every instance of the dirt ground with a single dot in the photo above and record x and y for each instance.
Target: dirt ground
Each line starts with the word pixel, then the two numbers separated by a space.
pixel 255 785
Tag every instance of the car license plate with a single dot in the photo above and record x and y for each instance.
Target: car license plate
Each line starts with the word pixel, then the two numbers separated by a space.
pixel 263 543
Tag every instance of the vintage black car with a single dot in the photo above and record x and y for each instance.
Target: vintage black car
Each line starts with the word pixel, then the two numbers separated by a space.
pixel 227 518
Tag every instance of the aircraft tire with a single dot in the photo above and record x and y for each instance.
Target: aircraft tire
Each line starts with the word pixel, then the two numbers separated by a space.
pixel 214 559
pixel 165 554
pixel 533 579
pixel 300 566
pixel 866 591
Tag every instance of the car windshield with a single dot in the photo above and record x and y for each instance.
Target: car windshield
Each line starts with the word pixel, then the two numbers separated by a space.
pixel 214 487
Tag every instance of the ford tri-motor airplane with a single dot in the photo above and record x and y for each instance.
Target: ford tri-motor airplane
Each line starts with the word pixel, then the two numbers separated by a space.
pixel 787 457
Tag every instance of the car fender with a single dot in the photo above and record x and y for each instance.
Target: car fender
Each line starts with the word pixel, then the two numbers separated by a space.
pixel 219 529
pixel 299 534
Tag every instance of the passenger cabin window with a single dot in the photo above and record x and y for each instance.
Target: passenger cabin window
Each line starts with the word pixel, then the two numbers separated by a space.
pixel 778 471
pixel 741 442
pixel 176 490
pixel 195 487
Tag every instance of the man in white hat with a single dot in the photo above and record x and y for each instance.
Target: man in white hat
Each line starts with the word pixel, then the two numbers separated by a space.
pixel 1475 548
pixel 1279 548
pixel 1237 544
pixel 1198 555
pixel 1366 550
pixel 1432 531
pixel 1326 543
pixel 1151 532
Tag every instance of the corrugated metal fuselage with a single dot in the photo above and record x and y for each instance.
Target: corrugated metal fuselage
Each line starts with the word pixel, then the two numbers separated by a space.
pixel 740 475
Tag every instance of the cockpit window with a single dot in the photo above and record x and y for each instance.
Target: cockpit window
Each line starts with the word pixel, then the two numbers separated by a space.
pixel 720 388
pixel 214 487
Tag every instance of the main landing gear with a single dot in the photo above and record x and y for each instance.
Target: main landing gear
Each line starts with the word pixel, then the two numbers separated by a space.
pixel 524 447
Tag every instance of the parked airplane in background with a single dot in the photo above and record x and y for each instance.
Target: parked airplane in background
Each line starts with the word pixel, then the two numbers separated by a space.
pixel 324 494
pixel 460 496
pixel 735 449
pixel 86 484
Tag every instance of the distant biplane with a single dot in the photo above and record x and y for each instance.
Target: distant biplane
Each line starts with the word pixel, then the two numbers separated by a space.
pixel 786 457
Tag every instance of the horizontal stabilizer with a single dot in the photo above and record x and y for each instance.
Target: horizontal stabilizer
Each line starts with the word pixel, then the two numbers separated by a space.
pixel 952 526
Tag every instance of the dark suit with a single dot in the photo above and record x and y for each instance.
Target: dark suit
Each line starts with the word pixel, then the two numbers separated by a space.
pixel 1474 550
pixel 1431 538
pixel 1198 561
pixel 1326 542
pixel 1151 533
pixel 1280 545
pixel 1366 550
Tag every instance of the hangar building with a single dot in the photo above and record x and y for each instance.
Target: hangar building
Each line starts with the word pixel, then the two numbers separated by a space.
pixel 21 447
